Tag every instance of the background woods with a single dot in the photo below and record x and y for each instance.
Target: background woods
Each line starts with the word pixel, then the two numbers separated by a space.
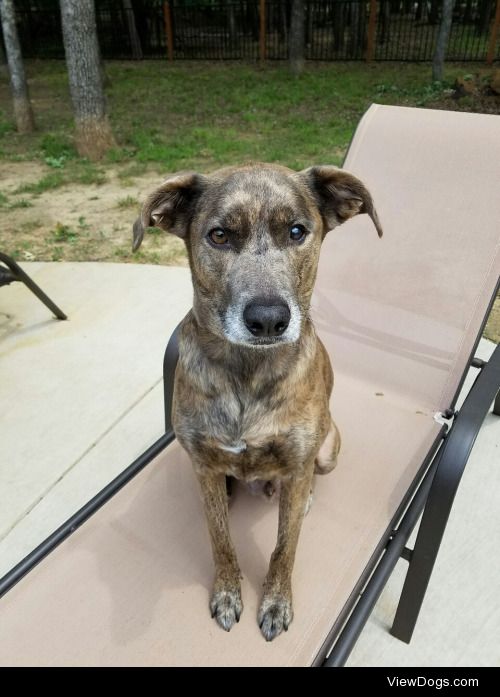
pixel 231 29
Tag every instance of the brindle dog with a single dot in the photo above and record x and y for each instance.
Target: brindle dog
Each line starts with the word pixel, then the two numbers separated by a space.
pixel 253 382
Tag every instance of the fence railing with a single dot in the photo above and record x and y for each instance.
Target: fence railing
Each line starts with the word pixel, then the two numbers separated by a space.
pixel 399 30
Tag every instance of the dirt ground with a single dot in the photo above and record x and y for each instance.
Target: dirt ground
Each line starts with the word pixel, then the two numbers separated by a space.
pixel 492 330
pixel 79 222
pixel 93 223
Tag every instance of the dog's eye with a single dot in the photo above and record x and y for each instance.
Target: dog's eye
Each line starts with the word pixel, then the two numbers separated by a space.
pixel 297 233
pixel 218 236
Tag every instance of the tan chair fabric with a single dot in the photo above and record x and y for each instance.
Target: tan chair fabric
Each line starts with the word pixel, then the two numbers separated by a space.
pixel 399 316
pixel 413 302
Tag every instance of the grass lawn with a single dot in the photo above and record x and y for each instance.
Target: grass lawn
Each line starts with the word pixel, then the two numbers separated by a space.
pixel 202 115
pixel 185 115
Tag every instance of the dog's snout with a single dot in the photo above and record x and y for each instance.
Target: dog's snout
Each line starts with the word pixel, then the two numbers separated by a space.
pixel 267 316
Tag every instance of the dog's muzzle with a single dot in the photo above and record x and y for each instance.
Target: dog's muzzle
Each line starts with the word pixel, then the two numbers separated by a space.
pixel 261 321
pixel 266 317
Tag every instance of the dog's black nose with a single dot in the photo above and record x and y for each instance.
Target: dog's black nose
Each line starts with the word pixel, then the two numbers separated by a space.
pixel 267 316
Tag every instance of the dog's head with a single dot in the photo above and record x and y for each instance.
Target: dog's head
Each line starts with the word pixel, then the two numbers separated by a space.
pixel 253 236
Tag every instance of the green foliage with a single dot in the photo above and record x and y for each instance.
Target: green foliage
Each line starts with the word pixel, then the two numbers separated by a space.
pixel 21 203
pixel 63 233
pixel 57 147
pixel 205 115
pixel 127 202
pixel 89 174
pixel 416 94
pixel 134 169
pixel 153 231
pixel 46 183
pixel 6 126
pixel 55 162
pixel 83 226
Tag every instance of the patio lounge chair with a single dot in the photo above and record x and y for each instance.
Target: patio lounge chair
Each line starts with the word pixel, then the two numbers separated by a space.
pixel 402 318
pixel 10 271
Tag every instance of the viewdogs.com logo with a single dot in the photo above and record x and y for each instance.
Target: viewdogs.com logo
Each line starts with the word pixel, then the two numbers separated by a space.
pixel 437 683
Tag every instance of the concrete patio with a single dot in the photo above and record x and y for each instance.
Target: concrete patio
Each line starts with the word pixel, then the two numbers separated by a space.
pixel 80 399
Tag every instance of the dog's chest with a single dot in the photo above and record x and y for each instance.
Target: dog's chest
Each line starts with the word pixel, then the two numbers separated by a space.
pixel 252 425
pixel 235 448
pixel 247 438
pixel 237 423
pixel 268 459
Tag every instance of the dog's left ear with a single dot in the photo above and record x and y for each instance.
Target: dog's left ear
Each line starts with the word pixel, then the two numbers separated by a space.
pixel 170 206
pixel 339 195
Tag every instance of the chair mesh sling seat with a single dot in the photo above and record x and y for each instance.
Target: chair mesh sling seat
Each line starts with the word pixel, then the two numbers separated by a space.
pixel 401 318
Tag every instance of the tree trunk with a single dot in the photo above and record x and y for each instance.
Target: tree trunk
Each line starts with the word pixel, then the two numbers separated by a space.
pixel 135 41
pixel 93 133
pixel 231 22
pixel 442 40
pixel 297 37
pixel 23 113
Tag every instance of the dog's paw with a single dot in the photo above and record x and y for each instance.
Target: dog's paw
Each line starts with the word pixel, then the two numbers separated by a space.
pixel 226 607
pixel 275 615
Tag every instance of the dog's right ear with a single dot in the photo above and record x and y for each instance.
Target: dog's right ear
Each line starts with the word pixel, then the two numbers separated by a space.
pixel 170 206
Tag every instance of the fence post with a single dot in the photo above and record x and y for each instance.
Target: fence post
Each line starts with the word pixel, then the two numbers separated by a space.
pixel 493 36
pixel 167 16
pixel 262 30
pixel 372 25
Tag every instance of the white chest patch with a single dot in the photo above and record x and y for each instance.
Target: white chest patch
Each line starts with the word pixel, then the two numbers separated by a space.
pixel 237 448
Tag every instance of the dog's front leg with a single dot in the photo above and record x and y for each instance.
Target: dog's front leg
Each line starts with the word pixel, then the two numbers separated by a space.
pixel 225 603
pixel 276 613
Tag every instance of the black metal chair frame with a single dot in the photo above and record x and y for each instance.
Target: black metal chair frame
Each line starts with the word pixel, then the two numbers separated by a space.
pixel 432 491
pixel 14 272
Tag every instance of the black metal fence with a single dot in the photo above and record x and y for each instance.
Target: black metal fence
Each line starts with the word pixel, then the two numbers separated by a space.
pixel 405 30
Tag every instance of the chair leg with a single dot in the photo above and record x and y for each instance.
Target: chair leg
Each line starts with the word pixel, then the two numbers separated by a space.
pixel 496 405
pixel 454 456
pixel 418 575
pixel 20 275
